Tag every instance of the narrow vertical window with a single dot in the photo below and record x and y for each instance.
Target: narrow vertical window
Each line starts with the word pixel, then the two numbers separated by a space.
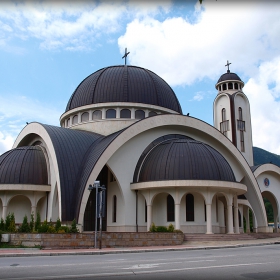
pixel 242 141
pixel 230 86
pixel 235 86
pixel 145 211
pixel 224 123
pixel 240 114
pixel 170 209
pixel 114 220
pixel 189 208
pixel 224 86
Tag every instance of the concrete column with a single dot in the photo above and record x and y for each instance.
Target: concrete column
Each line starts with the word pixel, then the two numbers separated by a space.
pixel 103 114
pixel 33 210
pixel 79 117
pixel 4 212
pixel 149 216
pixel 229 219
pixel 209 218
pixel 177 216
pixel 236 220
pixel 118 113
pixel 247 217
pixel 132 113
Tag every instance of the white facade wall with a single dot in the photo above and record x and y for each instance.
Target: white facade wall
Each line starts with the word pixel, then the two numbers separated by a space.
pixel 241 101
pixel 222 101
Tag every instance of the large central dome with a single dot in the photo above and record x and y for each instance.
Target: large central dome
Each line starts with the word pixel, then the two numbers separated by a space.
pixel 124 84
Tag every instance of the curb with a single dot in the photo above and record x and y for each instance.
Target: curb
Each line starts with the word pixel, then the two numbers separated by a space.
pixel 125 251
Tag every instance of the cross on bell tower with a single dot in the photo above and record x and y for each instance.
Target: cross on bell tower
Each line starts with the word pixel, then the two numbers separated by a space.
pixel 228 64
pixel 125 55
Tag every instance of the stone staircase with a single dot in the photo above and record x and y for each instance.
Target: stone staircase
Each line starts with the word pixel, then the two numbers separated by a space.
pixel 228 237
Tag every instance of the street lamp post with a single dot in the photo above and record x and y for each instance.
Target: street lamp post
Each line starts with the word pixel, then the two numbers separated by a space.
pixel 99 211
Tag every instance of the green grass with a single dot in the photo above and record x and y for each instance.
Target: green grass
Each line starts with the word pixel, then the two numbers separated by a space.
pixel 7 245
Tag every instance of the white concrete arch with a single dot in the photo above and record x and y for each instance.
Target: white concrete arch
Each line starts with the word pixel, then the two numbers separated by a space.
pixel 27 136
pixel 149 129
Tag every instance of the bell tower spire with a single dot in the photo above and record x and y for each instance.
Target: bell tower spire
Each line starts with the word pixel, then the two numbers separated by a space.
pixel 232 115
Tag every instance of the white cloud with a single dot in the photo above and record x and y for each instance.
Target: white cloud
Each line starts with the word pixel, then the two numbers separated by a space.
pixel 244 33
pixel 197 97
pixel 15 111
pixel 263 92
pixel 6 142
pixel 70 25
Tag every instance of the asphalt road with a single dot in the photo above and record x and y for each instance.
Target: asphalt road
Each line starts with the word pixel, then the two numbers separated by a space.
pixel 258 262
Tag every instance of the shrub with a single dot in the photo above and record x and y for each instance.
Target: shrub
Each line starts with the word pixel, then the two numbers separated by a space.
pixel 170 228
pixel 162 229
pixel 178 231
pixel 24 227
pixel 12 223
pixel 61 231
pixel 73 228
pixel 2 225
pixel 51 229
pixel 7 221
pixel 153 227
pixel 43 228
pixel 32 223
pixel 57 224
pixel 38 222
pixel 64 228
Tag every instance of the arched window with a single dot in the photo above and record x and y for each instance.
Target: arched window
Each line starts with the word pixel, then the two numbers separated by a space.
pixel 75 119
pixel 170 209
pixel 97 115
pixel 223 114
pixel 189 208
pixel 152 113
pixel 85 117
pixel 235 86
pixel 240 114
pixel 125 114
pixel 139 114
pixel 111 114
pixel 219 88
pixel 114 214
pixel 224 86
pixel 230 86
pixel 68 122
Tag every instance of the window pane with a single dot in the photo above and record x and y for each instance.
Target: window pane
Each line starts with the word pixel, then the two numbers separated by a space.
pixel 152 113
pixel 75 119
pixel 139 114
pixel 111 114
pixel 125 114
pixel 230 86
pixel 97 115
pixel 85 117
pixel 170 209
pixel 235 86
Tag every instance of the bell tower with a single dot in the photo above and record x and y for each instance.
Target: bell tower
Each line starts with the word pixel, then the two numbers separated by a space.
pixel 232 115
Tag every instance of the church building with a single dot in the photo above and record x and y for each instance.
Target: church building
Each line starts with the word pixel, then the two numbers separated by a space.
pixel 124 126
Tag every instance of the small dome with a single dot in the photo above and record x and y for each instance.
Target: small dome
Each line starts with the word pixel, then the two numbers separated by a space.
pixel 229 77
pixel 183 159
pixel 124 84
pixel 24 165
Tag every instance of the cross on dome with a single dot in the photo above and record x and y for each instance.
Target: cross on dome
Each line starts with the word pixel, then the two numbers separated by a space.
pixel 125 55
pixel 228 64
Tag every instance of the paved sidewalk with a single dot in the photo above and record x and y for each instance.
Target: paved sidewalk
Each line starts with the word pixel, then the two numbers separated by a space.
pixel 188 245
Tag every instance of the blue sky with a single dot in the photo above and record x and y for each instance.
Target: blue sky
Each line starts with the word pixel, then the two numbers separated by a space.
pixel 48 47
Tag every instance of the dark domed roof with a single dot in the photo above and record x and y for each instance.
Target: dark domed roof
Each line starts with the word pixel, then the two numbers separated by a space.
pixel 183 159
pixel 24 165
pixel 229 77
pixel 124 84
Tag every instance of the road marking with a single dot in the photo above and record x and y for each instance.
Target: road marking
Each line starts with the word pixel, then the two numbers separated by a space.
pixel 133 273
